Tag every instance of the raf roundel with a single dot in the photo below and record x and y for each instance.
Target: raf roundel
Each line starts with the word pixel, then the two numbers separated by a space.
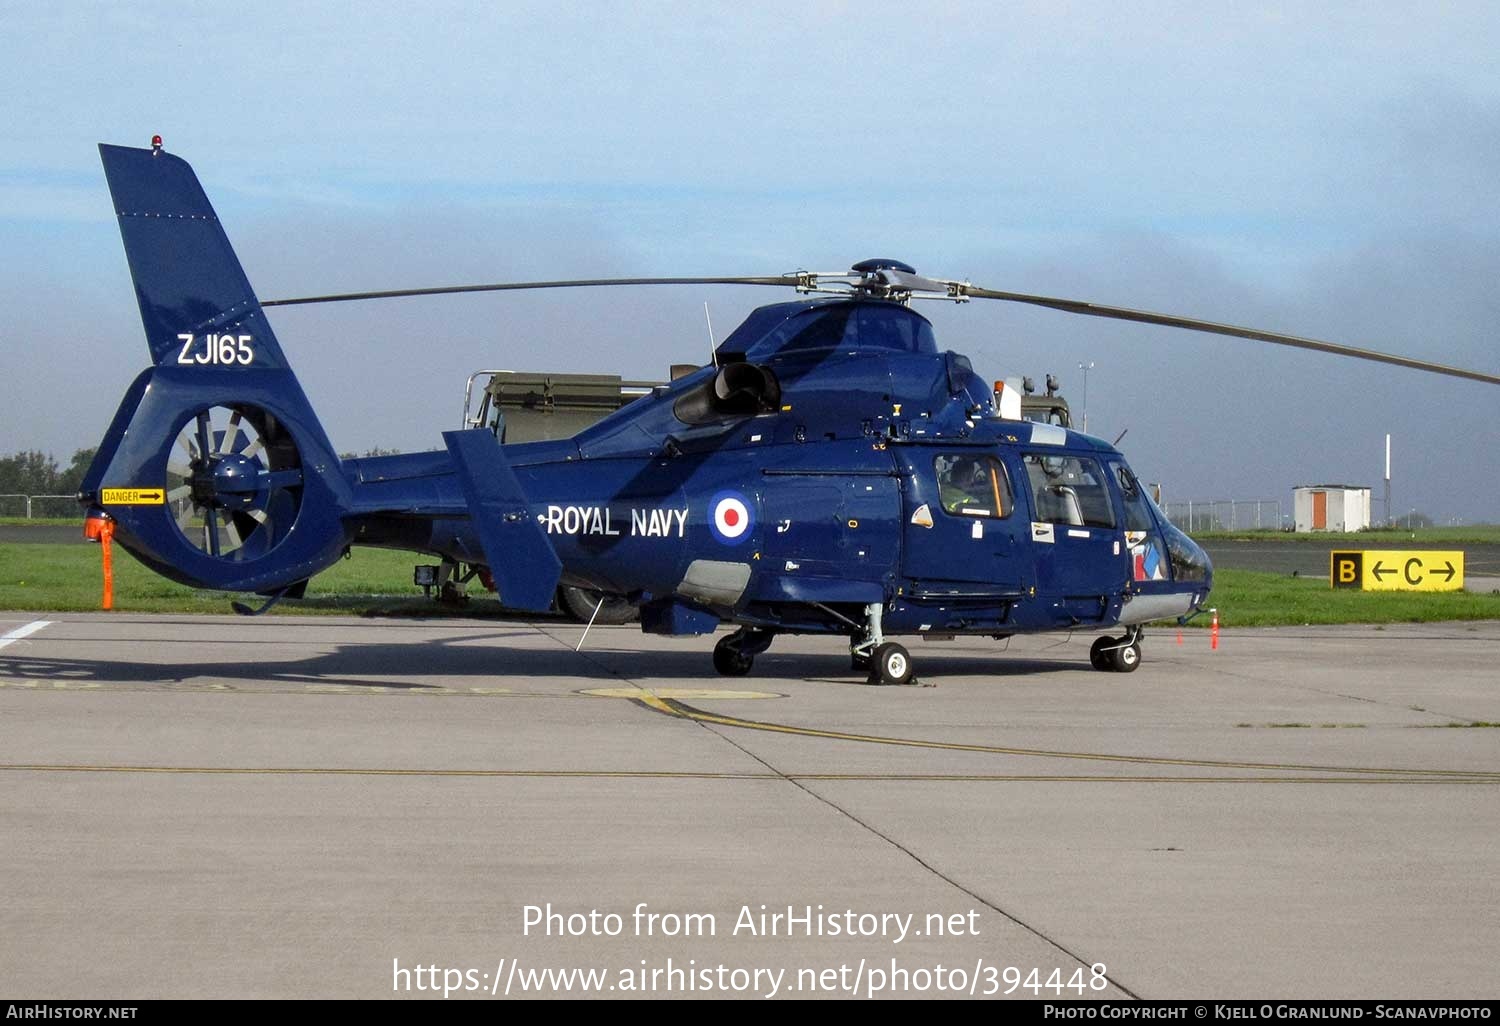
pixel 730 518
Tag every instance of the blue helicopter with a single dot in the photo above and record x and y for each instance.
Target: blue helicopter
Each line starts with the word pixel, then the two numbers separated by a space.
pixel 830 472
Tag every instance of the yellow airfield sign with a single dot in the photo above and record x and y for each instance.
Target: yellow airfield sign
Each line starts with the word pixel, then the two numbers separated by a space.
pixel 133 496
pixel 1396 570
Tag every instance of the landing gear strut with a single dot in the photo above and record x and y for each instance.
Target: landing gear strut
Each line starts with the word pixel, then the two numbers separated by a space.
pixel 887 662
pixel 1121 655
pixel 734 655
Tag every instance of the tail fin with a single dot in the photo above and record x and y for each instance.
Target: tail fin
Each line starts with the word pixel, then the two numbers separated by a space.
pixel 215 455
pixel 188 281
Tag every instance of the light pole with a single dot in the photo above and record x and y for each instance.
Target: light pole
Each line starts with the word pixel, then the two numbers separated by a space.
pixel 1086 367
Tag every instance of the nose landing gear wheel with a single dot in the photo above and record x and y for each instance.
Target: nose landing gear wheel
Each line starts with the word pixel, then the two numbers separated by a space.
pixel 1126 658
pixel 891 665
pixel 1120 655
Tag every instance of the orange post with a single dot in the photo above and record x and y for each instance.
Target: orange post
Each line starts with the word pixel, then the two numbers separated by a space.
pixel 108 563
pixel 1213 632
pixel 101 529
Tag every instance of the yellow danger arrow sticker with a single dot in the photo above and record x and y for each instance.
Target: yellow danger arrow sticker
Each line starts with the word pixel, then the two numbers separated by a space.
pixel 134 496
pixel 1397 570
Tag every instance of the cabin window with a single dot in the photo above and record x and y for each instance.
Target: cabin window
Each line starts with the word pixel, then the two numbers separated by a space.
pixel 973 486
pixel 1069 490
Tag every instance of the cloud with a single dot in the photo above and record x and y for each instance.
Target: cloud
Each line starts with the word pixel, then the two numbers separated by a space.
pixel 1317 171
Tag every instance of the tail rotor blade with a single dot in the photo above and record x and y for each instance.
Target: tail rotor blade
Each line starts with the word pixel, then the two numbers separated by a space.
pixel 205 425
pixel 232 534
pixel 211 530
pixel 232 432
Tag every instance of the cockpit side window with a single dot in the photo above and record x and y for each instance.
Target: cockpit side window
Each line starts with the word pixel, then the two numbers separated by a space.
pixel 973 486
pixel 1137 505
pixel 1069 490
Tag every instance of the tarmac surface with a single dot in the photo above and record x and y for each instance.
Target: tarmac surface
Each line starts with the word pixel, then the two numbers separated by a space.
pixel 302 807
pixel 1311 558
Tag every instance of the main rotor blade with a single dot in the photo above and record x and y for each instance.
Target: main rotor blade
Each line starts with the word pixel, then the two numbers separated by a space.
pixel 785 281
pixel 1191 324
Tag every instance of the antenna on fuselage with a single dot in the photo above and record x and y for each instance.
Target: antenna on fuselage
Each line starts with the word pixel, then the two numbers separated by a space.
pixel 713 347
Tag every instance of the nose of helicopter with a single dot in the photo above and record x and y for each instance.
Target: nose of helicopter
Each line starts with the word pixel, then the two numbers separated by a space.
pixel 1190 564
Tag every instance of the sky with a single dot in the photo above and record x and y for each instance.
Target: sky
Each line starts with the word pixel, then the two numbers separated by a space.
pixel 1326 170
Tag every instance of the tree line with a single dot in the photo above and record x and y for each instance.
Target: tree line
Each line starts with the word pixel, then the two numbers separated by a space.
pixel 37 473
pixel 34 472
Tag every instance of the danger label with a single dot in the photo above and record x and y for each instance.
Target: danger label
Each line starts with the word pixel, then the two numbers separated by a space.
pixel 134 496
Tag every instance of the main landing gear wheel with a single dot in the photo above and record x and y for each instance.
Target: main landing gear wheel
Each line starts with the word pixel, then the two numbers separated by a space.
pixel 734 655
pixel 582 604
pixel 891 665
pixel 730 661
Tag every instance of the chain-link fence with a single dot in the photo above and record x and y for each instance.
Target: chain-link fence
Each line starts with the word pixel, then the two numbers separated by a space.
pixel 1192 516
pixel 39 507
pixel 1226 515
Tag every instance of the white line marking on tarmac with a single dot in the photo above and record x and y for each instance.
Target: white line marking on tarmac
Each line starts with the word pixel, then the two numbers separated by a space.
pixel 22 632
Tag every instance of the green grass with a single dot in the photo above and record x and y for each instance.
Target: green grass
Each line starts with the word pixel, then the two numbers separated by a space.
pixel 67 577
pixel 1247 598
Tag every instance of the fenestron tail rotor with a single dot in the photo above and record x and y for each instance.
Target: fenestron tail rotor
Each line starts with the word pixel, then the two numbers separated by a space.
pixel 234 480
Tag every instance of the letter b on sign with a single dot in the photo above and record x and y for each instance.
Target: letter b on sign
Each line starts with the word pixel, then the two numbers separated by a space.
pixel 1344 569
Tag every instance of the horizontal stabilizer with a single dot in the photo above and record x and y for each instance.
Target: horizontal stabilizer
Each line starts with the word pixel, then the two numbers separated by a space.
pixel 524 565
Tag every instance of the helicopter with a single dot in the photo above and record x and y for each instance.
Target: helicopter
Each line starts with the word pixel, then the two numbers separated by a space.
pixel 830 472
pixel 525 406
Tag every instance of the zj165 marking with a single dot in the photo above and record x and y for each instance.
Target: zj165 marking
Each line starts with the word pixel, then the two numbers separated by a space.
pixel 218 350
